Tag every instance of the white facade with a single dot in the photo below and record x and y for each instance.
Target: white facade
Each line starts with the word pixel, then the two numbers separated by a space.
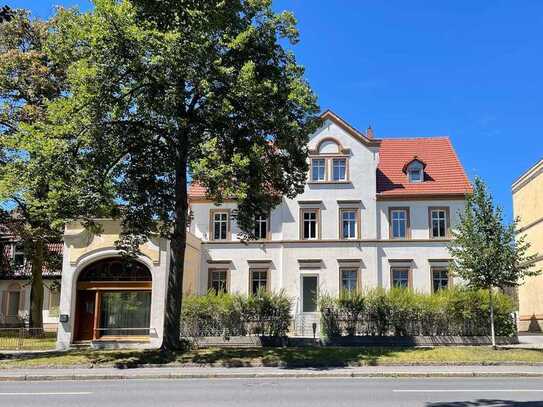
pixel 373 252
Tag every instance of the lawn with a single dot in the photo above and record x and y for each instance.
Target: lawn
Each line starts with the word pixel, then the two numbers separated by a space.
pixel 286 357
pixel 10 339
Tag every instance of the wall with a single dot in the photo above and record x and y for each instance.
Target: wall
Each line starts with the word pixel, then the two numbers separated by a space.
pixel 528 206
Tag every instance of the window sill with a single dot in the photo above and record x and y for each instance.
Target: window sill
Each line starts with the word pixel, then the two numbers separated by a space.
pixel 328 182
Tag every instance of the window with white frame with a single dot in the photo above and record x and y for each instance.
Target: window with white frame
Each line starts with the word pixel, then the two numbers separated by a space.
pixel 318 169
pixel 349 280
pixel 415 172
pixel 399 223
pixel 310 223
pixel 349 223
pixel 220 225
pixel 261 227
pixel 339 169
pixel 438 222
pixel 440 279
pixel 400 277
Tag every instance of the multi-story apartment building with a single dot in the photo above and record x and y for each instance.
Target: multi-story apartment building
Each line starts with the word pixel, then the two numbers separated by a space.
pixel 374 213
pixel 528 207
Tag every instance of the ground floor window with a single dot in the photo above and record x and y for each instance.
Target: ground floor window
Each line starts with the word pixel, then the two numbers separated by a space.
pixel 218 281
pixel 14 298
pixel 440 279
pixel 258 280
pixel 125 313
pixel 349 280
pixel 400 277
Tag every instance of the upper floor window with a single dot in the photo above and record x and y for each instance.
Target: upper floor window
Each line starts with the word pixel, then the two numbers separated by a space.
pixel 399 223
pixel 220 225
pixel 261 227
pixel 329 162
pixel 18 255
pixel 339 169
pixel 439 222
pixel 318 169
pixel 349 223
pixel 310 224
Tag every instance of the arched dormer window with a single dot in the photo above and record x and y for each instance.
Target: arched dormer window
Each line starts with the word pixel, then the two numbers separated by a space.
pixel 415 170
pixel 329 162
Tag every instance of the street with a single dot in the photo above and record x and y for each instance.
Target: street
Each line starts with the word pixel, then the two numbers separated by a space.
pixel 397 392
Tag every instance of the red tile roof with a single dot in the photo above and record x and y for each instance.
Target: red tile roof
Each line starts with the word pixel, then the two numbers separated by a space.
pixel 443 174
pixel 196 191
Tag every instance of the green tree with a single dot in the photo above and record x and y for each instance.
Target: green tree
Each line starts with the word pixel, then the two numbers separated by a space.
pixel 486 253
pixel 177 87
pixel 40 184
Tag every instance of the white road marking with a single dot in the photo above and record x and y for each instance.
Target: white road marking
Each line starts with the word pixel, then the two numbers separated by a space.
pixel 71 393
pixel 468 391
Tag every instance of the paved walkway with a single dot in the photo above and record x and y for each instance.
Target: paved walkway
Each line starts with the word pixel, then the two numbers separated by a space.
pixel 269 372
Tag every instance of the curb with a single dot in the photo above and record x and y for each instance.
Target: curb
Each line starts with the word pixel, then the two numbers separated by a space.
pixel 179 376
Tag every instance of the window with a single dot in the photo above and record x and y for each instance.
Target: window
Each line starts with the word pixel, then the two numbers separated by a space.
pixel 415 171
pixel 54 302
pixel 349 280
pixel 440 279
pixel 261 227
pixel 125 313
pixel 349 223
pixel 339 169
pixel 318 169
pixel 14 298
pixel 399 223
pixel 259 280
pixel 439 219
pixel 220 225
pixel 310 223
pixel 218 281
pixel 18 255
pixel 400 277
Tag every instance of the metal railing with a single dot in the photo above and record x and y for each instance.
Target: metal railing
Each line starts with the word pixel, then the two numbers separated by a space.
pixel 211 327
pixel 104 333
pixel 27 339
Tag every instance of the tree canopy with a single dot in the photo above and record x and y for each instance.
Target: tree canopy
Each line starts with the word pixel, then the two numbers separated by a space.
pixel 161 90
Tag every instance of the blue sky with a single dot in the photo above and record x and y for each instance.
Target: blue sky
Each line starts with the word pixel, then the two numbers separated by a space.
pixel 472 70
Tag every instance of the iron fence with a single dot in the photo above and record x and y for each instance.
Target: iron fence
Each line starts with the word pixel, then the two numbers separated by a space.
pixel 27 339
pixel 217 327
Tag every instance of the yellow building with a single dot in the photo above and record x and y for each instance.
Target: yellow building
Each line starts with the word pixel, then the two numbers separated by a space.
pixel 528 207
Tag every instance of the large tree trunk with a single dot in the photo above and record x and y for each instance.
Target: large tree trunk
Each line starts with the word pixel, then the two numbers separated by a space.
pixel 174 294
pixel 36 288
pixel 491 306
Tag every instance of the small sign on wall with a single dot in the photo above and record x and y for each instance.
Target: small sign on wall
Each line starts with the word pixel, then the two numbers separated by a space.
pixel 64 318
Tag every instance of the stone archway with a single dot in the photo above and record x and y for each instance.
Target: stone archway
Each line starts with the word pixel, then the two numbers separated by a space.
pixel 113 300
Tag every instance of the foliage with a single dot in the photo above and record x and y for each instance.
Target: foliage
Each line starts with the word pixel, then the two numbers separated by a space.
pixel 402 312
pixel 486 252
pixel 40 186
pixel 213 314
pixel 161 89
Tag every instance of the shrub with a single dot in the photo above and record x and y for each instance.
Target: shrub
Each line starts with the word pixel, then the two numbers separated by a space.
pixel 224 314
pixel 401 312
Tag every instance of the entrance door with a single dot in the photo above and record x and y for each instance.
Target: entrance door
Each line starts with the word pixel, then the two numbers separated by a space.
pixel 84 313
pixel 309 293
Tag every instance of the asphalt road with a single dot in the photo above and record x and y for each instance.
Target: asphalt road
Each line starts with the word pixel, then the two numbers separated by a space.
pixel 397 392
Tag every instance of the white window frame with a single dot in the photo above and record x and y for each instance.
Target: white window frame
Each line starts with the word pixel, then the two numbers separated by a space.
pixel 316 212
pixel 342 280
pixel 339 160
pixel 397 222
pixel 262 219
pixel 220 221
pixel 324 172
pixel 342 212
pixel 441 279
pixel 441 233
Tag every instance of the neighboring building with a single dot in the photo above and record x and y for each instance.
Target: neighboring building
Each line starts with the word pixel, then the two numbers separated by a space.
pixel 15 286
pixel 105 299
pixel 528 207
pixel 374 213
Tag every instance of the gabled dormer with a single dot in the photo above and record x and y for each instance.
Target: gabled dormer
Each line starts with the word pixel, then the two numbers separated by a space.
pixel 414 169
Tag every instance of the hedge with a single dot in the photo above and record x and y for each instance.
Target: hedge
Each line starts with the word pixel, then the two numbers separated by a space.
pixel 402 312
pixel 266 314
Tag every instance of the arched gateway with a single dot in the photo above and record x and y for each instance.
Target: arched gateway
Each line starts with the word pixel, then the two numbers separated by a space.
pixel 113 300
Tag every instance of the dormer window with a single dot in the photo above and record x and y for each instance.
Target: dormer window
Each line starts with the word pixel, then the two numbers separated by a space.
pixel 415 170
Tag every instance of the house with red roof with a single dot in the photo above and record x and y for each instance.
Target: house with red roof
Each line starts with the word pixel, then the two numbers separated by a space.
pixel 375 212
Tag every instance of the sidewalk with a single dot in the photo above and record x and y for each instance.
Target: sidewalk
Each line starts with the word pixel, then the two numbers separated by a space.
pixel 268 372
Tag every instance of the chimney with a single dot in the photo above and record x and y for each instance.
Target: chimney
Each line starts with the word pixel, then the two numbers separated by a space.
pixel 369 133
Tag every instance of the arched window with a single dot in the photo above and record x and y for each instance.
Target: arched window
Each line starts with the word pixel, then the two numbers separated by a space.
pixel 115 270
pixel 329 162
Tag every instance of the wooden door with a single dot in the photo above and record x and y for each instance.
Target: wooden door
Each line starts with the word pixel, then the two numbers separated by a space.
pixel 84 314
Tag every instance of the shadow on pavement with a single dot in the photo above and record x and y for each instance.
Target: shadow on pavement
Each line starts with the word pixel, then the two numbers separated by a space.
pixel 487 403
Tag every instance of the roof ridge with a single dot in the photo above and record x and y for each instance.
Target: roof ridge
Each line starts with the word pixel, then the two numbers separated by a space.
pixel 415 138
